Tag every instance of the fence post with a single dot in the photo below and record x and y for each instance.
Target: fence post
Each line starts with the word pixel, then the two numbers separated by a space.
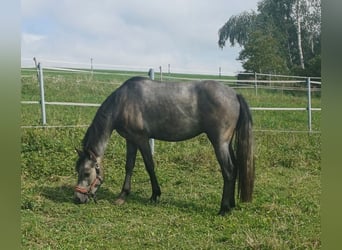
pixel 91 66
pixel 151 140
pixel 256 83
pixel 151 74
pixel 161 73
pixel 35 63
pixel 42 94
pixel 308 81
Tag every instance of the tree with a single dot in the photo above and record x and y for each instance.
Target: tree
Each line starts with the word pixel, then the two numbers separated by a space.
pixel 307 18
pixel 290 26
pixel 237 29
pixel 262 54
pixel 298 22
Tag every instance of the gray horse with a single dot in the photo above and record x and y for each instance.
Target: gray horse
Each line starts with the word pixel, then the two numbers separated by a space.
pixel 141 109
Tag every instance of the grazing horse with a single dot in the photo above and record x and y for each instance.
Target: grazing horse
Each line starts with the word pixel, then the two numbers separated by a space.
pixel 141 109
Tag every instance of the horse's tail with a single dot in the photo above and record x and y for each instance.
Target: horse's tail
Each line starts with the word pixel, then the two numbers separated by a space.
pixel 244 152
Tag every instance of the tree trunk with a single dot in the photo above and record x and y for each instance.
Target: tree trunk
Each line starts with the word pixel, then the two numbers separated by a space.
pixel 299 35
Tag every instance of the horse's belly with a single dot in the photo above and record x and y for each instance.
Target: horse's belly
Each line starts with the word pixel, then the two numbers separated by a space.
pixel 175 131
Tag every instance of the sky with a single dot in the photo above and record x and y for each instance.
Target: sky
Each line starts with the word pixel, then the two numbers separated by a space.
pixel 133 35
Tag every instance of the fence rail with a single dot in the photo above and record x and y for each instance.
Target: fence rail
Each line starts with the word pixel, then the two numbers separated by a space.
pixel 253 83
pixel 64 103
pixel 98 105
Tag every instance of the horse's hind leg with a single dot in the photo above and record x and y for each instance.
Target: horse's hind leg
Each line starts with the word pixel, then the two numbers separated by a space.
pixel 131 152
pixel 223 151
pixel 235 171
pixel 146 153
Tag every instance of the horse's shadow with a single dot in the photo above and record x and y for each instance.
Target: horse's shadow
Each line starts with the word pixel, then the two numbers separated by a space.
pixel 65 194
pixel 58 194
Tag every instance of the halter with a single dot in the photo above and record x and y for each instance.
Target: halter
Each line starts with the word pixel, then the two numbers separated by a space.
pixel 96 182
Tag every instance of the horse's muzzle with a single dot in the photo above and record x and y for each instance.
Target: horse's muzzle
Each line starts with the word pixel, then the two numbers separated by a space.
pixel 81 198
pixel 83 195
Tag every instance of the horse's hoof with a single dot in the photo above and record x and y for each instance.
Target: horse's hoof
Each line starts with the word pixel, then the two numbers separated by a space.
pixel 154 198
pixel 224 212
pixel 119 201
pixel 152 201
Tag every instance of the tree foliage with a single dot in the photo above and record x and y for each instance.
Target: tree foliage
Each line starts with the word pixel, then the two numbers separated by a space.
pixel 237 29
pixel 262 54
pixel 283 36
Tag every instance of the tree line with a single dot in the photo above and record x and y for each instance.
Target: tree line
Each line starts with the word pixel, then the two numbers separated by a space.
pixel 281 37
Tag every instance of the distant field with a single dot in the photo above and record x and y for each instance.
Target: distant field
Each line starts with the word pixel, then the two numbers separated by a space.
pixel 285 213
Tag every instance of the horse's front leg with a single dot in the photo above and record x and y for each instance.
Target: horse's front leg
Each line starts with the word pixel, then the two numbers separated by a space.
pixel 146 153
pixel 131 153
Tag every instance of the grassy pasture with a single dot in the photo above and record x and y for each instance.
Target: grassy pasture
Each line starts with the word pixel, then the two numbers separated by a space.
pixel 285 213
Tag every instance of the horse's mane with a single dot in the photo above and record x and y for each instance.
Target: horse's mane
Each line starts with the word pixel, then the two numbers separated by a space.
pixel 99 130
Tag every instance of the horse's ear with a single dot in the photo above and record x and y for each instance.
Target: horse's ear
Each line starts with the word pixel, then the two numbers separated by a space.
pixel 79 152
pixel 92 155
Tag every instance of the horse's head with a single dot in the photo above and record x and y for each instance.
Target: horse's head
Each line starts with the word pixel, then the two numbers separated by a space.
pixel 90 176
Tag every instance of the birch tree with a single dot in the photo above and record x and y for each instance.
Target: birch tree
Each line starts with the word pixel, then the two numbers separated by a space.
pixel 295 24
pixel 298 21
pixel 307 18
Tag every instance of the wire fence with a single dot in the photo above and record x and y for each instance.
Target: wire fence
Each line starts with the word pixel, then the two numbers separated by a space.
pixel 255 81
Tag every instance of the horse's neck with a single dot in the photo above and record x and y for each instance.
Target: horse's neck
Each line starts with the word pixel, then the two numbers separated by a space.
pixel 99 132
pixel 97 136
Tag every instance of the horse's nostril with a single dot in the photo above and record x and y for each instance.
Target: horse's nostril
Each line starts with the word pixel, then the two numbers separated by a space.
pixel 77 200
pixel 80 198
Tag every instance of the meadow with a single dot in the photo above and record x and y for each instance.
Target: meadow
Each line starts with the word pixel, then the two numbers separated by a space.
pixel 285 212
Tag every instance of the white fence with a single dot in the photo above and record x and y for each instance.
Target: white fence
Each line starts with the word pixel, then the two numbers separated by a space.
pixel 255 83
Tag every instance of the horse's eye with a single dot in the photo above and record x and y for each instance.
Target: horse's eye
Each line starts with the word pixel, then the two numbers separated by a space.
pixel 86 175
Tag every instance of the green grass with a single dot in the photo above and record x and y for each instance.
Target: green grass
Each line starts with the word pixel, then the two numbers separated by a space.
pixel 285 212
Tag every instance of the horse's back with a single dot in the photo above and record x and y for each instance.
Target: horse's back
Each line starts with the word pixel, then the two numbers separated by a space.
pixel 148 90
pixel 177 111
